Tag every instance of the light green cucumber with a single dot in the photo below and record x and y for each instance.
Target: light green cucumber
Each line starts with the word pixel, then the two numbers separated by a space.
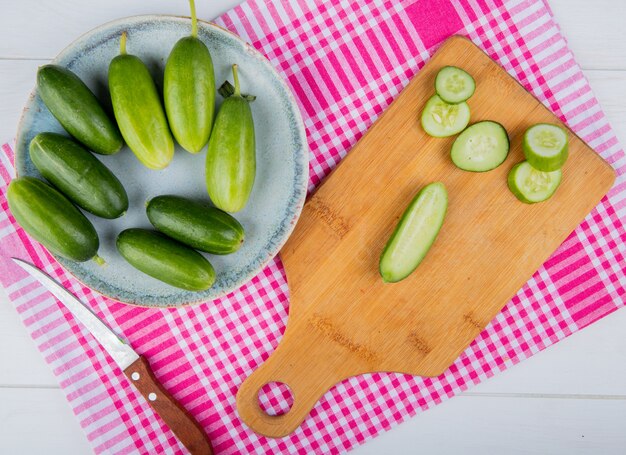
pixel 231 157
pixel 415 233
pixel 189 90
pixel 138 110
pixel 545 147
pixel 441 119
pixel 530 185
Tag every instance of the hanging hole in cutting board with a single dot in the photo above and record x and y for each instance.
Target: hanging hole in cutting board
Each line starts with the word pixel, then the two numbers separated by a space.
pixel 275 398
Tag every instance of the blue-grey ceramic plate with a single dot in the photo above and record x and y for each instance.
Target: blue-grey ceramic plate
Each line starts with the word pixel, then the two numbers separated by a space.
pixel 282 158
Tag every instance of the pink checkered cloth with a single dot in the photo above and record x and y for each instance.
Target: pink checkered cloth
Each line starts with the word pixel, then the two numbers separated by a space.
pixel 203 353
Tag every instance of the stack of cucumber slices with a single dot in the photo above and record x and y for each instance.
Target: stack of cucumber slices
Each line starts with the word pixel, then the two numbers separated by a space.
pixel 536 179
pixel 447 112
pixel 485 145
pixel 480 147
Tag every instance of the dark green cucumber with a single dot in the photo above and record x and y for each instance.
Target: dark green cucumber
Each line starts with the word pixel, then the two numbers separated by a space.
pixel 79 175
pixel 51 219
pixel 138 110
pixel 189 90
pixel 195 223
pixel 166 259
pixel 77 109
pixel 231 159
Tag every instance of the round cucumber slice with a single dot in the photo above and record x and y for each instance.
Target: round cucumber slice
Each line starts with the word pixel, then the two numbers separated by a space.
pixel 481 147
pixel 415 233
pixel 530 185
pixel 454 85
pixel 441 119
pixel 545 147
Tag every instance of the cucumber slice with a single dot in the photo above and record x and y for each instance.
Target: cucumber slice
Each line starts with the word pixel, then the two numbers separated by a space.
pixel 481 147
pixel 453 85
pixel 530 185
pixel 441 119
pixel 545 147
pixel 415 233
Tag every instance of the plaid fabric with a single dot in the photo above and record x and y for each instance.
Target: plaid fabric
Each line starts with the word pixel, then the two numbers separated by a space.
pixel 345 62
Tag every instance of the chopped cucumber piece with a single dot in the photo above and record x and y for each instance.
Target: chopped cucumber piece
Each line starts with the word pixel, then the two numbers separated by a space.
pixel 453 85
pixel 441 119
pixel 481 147
pixel 545 147
pixel 415 233
pixel 530 185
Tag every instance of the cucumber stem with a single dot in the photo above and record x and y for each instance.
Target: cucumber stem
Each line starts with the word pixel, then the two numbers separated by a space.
pixel 98 260
pixel 236 77
pixel 123 43
pixel 194 19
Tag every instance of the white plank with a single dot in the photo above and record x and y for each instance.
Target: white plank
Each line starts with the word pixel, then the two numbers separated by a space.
pixel 468 425
pixel 18 79
pixel 39 421
pixel 41 29
pixel 594 30
pixel 512 426
pixel 54 24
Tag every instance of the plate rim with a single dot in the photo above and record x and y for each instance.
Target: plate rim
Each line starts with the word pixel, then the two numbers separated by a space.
pixel 299 123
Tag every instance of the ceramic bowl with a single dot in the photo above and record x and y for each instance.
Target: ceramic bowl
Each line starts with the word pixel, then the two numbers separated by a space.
pixel 282 158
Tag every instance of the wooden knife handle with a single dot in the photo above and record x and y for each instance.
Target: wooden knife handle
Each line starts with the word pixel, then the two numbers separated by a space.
pixel 184 426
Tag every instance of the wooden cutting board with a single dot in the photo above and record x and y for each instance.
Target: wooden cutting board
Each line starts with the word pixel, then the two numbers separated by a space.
pixel 343 320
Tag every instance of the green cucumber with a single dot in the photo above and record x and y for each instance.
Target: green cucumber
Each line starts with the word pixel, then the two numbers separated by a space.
pixel 481 147
pixel 165 259
pixel 454 85
pixel 196 224
pixel 231 159
pixel 79 175
pixel 77 109
pixel 441 119
pixel 189 90
pixel 530 185
pixel 415 233
pixel 52 220
pixel 545 147
pixel 138 110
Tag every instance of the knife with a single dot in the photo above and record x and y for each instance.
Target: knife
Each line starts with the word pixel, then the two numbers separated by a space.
pixel 135 367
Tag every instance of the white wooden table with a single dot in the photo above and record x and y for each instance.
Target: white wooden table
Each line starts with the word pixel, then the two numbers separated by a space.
pixel 569 399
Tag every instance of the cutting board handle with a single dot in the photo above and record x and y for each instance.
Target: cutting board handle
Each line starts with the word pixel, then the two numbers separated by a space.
pixel 307 378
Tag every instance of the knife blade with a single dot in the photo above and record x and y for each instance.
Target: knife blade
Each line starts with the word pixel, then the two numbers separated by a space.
pixel 135 367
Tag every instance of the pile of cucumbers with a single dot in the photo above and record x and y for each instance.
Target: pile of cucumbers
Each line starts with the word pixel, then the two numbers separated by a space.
pixel 480 147
pixel 49 212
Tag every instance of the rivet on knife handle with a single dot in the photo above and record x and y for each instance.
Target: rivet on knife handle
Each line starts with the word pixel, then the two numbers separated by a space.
pixel 184 426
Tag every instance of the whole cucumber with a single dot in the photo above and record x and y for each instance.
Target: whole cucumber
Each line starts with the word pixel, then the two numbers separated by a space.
pixel 189 90
pixel 79 175
pixel 196 224
pixel 165 259
pixel 138 110
pixel 51 219
pixel 231 159
pixel 77 109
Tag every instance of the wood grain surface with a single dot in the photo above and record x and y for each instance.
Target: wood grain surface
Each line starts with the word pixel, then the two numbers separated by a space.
pixel 343 319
